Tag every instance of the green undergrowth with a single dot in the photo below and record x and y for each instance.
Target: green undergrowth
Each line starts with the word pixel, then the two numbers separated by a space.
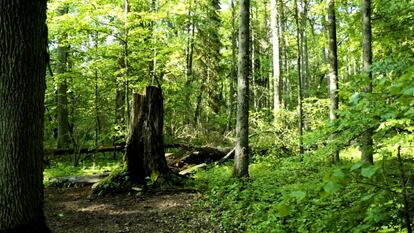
pixel 309 195
pixel 63 166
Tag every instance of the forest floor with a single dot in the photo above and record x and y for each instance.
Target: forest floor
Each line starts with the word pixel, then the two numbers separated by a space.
pixel 70 210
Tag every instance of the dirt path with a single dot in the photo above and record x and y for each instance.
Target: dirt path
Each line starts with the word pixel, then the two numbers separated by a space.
pixel 70 211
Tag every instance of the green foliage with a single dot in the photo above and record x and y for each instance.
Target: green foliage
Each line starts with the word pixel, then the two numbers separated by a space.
pixel 278 137
pixel 289 195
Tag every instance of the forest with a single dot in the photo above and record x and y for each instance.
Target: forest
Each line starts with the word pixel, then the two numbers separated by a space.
pixel 206 116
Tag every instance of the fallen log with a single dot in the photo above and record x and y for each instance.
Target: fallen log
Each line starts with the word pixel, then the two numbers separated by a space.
pixel 199 156
pixel 68 181
pixel 63 151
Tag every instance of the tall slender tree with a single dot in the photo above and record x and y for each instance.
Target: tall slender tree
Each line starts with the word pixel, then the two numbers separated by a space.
pixel 233 77
pixel 23 56
pixel 63 134
pixel 241 159
pixel 333 67
pixel 304 47
pixel 121 99
pixel 299 77
pixel 276 56
pixel 366 142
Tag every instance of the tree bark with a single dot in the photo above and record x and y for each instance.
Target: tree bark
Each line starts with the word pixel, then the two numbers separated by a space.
pixel 333 68
pixel 304 41
pixel 233 78
pixel 285 59
pixel 241 159
pixel 189 59
pixel 299 76
pixel 276 57
pixel 145 155
pixel 366 142
pixel 63 135
pixel 23 36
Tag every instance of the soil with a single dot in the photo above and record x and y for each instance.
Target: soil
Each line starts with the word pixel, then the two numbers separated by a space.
pixel 70 210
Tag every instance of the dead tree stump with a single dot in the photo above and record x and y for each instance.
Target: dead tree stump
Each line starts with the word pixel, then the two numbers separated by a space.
pixel 145 155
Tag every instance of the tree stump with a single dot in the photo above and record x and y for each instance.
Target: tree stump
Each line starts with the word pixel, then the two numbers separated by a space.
pixel 145 156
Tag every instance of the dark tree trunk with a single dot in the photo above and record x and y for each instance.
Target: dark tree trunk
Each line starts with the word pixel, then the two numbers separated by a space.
pixel 23 42
pixel 145 154
pixel 197 112
pixel 333 68
pixel 304 47
pixel 189 60
pixel 241 158
pixel 366 142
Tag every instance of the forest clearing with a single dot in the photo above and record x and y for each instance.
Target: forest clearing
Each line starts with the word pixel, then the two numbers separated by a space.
pixel 206 116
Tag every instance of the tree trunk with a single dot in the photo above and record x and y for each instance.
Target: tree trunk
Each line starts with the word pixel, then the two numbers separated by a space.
pixel 120 103
pixel 98 114
pixel 145 154
pixel 285 62
pixel 197 112
pixel 63 135
pixel 121 99
pixel 233 78
pixel 23 36
pixel 366 142
pixel 241 159
pixel 189 60
pixel 333 68
pixel 253 61
pixel 304 41
pixel 154 9
pixel 299 76
pixel 276 57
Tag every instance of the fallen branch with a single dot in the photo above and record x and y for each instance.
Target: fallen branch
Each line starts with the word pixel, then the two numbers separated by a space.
pixel 191 169
pixel 226 157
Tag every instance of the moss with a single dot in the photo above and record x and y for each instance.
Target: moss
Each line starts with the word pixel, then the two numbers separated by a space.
pixel 118 182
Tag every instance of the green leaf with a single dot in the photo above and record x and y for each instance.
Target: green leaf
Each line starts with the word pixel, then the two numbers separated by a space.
pixel 355 98
pixel 299 195
pixel 368 172
pixel 409 91
pixel 338 175
pixel 331 187
pixel 283 210
pixel 357 166
pixel 367 197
